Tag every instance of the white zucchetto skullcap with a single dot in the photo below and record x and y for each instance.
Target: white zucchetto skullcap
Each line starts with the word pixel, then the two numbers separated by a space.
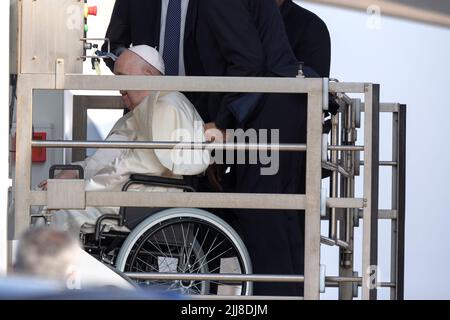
pixel 151 55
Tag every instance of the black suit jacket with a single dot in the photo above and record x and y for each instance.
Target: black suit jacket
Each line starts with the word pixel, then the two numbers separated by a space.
pixel 137 22
pixel 309 37
pixel 239 38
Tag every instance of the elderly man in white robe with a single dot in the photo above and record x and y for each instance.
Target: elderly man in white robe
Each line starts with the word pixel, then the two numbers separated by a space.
pixel 154 116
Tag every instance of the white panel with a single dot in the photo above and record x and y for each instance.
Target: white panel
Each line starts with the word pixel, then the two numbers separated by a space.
pixel 4 124
pixel 51 29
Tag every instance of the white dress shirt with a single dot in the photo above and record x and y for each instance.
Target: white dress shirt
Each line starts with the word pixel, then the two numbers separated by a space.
pixel 184 10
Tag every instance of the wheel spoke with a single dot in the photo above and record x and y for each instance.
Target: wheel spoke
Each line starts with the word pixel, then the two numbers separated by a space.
pixel 147 264
pixel 190 250
pixel 157 258
pixel 167 243
pixel 156 245
pixel 185 259
pixel 206 254
pixel 215 258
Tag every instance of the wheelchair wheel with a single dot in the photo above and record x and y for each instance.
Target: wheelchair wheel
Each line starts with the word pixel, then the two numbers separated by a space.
pixel 186 241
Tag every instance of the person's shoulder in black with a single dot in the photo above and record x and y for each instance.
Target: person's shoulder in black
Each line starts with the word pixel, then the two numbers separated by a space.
pixel 133 22
pixel 309 37
pixel 241 38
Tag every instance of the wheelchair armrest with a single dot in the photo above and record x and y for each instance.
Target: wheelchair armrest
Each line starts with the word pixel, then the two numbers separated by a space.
pixel 66 167
pixel 158 182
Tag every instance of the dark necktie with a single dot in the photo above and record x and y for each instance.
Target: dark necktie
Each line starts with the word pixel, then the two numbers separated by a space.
pixel 172 38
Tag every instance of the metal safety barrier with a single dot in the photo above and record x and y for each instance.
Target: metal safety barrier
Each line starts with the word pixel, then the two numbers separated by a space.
pixel 341 207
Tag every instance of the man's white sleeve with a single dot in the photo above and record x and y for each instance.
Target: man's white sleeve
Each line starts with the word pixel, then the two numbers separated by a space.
pixel 102 157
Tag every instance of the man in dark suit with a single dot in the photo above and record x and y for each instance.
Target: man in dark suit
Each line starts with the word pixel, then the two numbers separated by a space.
pixel 308 36
pixel 241 38
pixel 311 43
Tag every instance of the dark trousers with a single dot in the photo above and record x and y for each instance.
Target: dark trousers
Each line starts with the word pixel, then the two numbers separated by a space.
pixel 274 238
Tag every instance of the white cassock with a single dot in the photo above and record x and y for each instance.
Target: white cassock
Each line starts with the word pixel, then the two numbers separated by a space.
pixel 165 117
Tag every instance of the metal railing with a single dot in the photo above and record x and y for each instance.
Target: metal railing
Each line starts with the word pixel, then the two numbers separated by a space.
pixel 312 202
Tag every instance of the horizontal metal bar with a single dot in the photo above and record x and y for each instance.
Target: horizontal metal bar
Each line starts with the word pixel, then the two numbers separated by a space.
pixel 347 87
pixel 168 145
pixel 383 214
pixel 189 84
pixel 383 163
pixel 386 107
pixel 234 277
pixel 388 163
pixel 215 277
pixel 332 243
pixel 181 145
pixel 186 200
pixel 389 107
pixel 387 285
pixel 200 200
pixel 346 148
pixel 192 84
pixel 330 284
pixel 388 214
pixel 345 203
pixel 197 200
pixel 90 57
pixel 343 279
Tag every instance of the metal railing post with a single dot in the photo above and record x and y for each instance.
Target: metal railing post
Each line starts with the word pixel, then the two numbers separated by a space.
pixel 4 143
pixel 313 191
pixel 371 178
pixel 22 186
pixel 398 203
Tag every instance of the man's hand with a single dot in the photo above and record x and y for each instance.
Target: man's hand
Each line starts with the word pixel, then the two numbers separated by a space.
pixel 214 134
pixel 215 175
pixel 68 174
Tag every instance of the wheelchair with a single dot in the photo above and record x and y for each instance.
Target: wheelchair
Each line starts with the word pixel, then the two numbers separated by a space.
pixel 168 240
